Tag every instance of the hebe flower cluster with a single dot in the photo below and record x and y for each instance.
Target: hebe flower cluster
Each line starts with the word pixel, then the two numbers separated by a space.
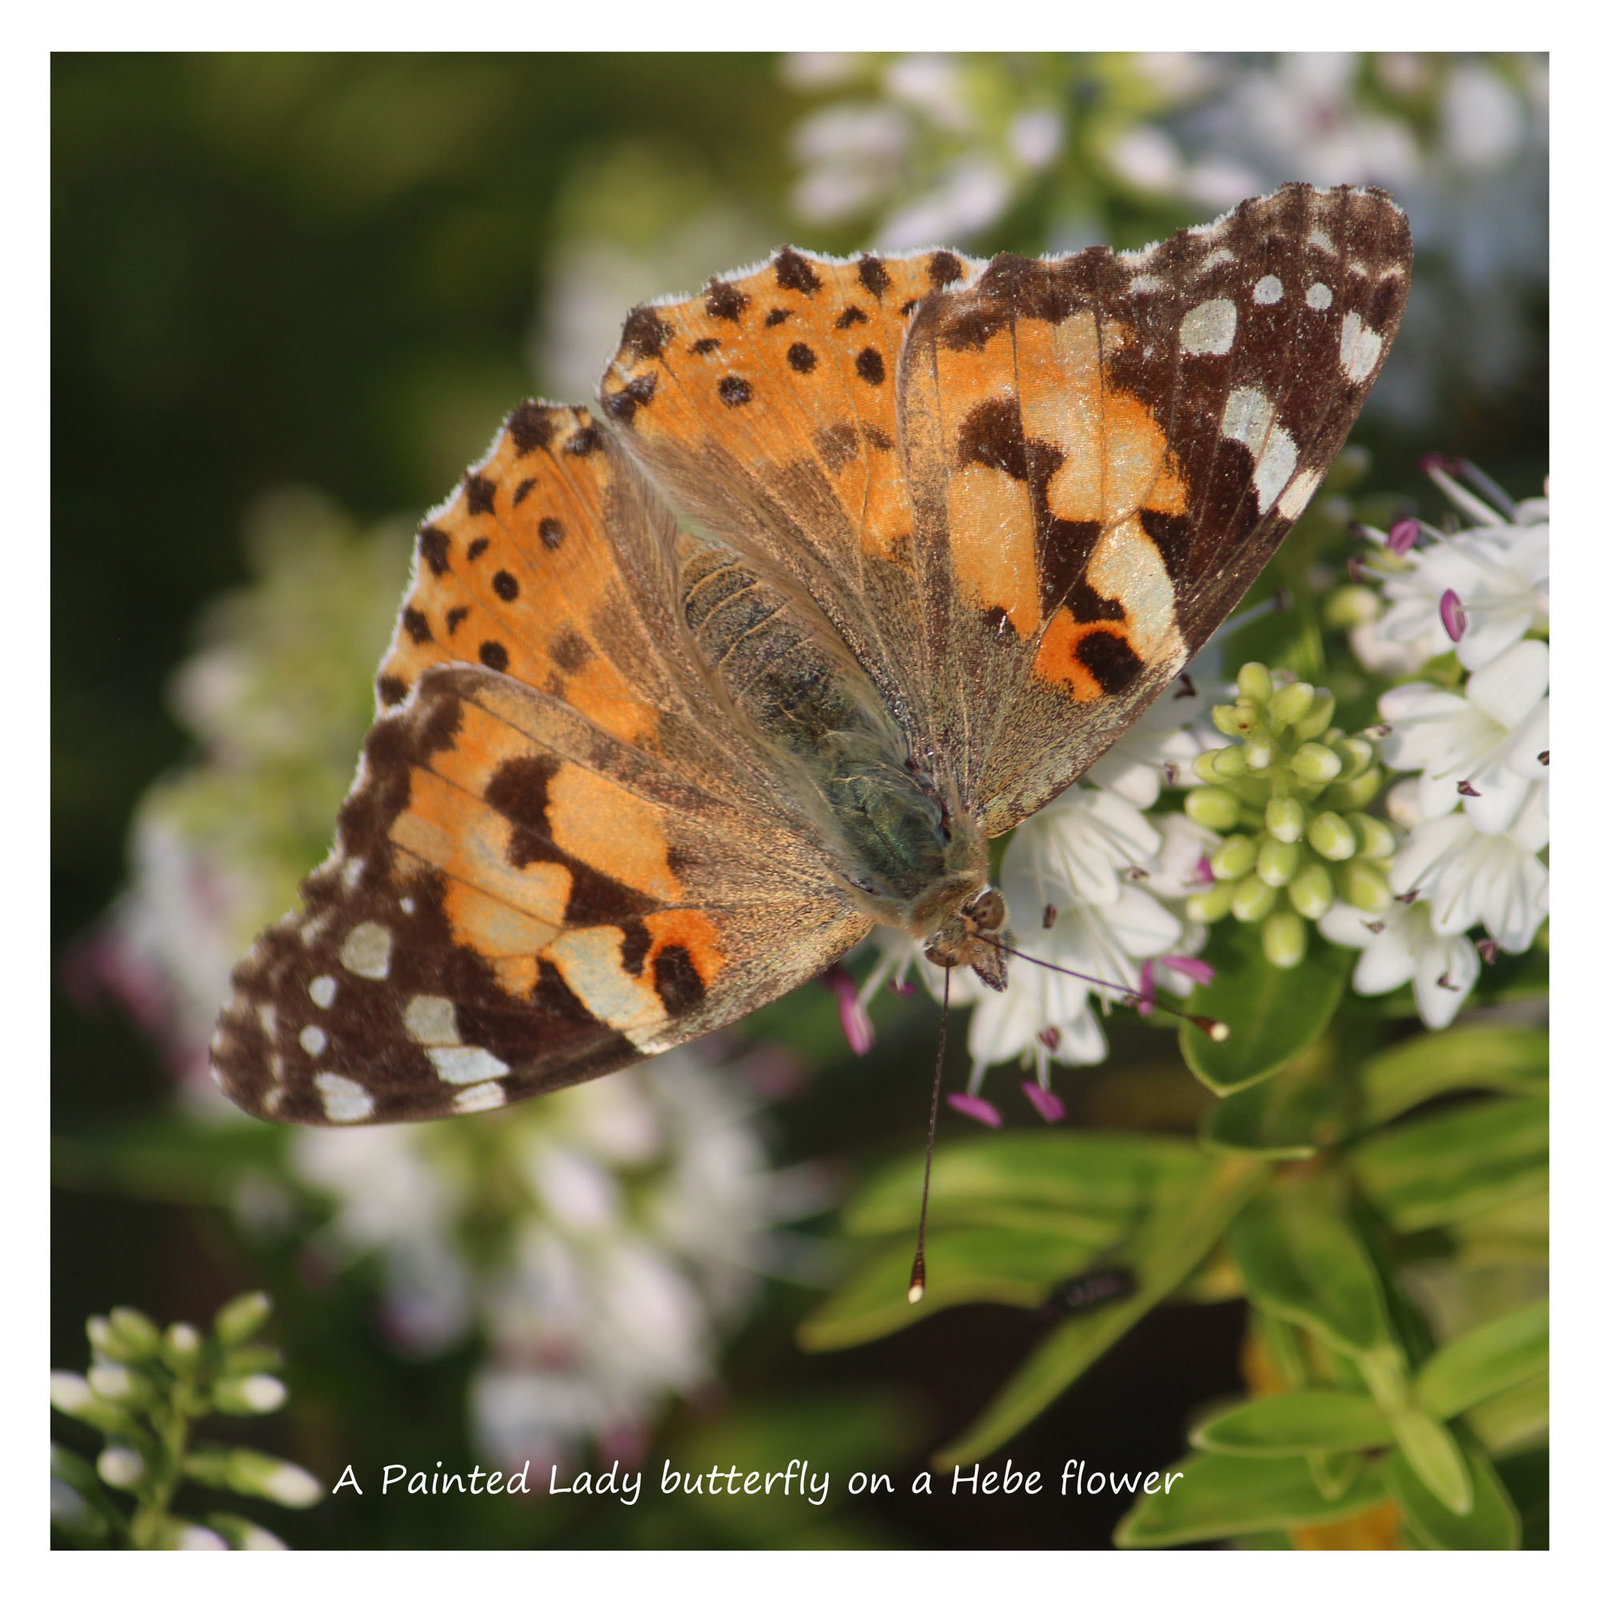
pixel 1291 798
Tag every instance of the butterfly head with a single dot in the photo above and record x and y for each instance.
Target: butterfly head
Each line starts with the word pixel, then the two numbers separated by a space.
pixel 968 936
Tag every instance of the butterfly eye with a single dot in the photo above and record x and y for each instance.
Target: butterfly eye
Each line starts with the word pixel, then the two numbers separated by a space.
pixel 986 911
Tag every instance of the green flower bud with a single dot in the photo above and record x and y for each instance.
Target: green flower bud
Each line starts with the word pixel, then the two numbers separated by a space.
pixel 1217 809
pixel 1311 891
pixel 1290 703
pixel 136 1331
pixel 1315 763
pixel 1258 752
pixel 268 1478
pixel 1283 939
pixel 1354 793
pixel 106 1341
pixel 1253 899
pixel 1374 839
pixel 181 1348
pixel 1285 819
pixel 1211 905
pixel 1277 862
pixel 1230 721
pixel 1255 682
pixel 121 1385
pixel 242 1318
pixel 243 1534
pixel 250 1395
pixel 1366 887
pixel 1331 836
pixel 1355 756
pixel 1319 718
pixel 1227 763
pixel 1234 857
pixel 1349 606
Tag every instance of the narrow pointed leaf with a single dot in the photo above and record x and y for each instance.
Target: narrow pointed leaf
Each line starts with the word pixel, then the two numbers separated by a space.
pixel 1512 1060
pixel 1161 1255
pixel 1295 1424
pixel 1432 1453
pixel 1284 1118
pixel 1490 1359
pixel 1492 1522
pixel 1225 1497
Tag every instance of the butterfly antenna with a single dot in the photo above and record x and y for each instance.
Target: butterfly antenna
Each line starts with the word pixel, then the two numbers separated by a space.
pixel 1209 1026
pixel 919 1267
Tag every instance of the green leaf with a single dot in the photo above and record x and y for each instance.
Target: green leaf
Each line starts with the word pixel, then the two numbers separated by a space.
pixel 1491 1523
pixel 1303 1260
pixel 1514 1420
pixel 1161 1255
pixel 1285 1118
pixel 1095 1178
pixel 1511 1060
pixel 1272 1014
pixel 964 1264
pixel 1455 1163
pixel 1225 1497
pixel 1295 1424
pixel 1433 1454
pixel 1488 1360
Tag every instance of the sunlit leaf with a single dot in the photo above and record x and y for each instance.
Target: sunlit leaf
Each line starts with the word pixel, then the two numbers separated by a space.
pixel 1489 1359
pixel 1272 1014
pixel 1455 1163
pixel 1221 1497
pixel 1491 1523
pixel 1512 1060
pixel 1295 1424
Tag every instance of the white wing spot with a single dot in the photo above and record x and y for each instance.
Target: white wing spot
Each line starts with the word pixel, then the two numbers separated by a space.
pixel 311 931
pixel 1319 297
pixel 313 1040
pixel 431 1019
pixel 267 1016
pixel 366 950
pixel 1248 417
pixel 353 869
pixel 1359 348
pixel 1318 238
pixel 1268 290
pixel 1298 495
pixel 1207 329
pixel 322 990
pixel 269 1101
pixel 1146 283
pixel 343 1100
pixel 1217 258
pixel 1276 463
pixel 480 1097
pixel 466 1063
pixel 407 904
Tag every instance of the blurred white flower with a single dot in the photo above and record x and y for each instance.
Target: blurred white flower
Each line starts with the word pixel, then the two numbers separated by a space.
pixel 602 1242
pixel 1485 746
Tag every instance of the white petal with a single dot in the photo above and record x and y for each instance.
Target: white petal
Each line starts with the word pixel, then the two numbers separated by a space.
pixel 1509 688
pixel 1455 961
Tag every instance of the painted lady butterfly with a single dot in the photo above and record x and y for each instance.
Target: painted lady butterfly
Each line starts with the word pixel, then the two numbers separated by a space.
pixel 948 527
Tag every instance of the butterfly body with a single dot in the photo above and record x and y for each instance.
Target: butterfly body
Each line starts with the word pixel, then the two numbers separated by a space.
pixel 868 560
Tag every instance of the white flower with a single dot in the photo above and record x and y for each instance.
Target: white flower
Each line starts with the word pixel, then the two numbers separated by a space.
pixel 1501 575
pixel 1472 879
pixel 1491 738
pixel 1404 947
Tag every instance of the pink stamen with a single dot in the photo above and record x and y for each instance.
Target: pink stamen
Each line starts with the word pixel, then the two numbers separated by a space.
pixel 969 1105
pixel 1203 873
pixel 1403 535
pixel 1147 989
pixel 1046 1104
pixel 1191 967
pixel 1453 615
pixel 853 1016
pixel 903 987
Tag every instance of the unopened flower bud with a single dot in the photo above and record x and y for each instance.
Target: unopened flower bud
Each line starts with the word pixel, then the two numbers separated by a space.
pixel 243 1317
pixel 1315 763
pixel 259 1392
pixel 138 1333
pixel 1283 939
pixel 1285 818
pixel 1277 862
pixel 1255 682
pixel 1290 703
pixel 1331 836
pixel 1319 718
pixel 1253 899
pixel 1374 839
pixel 1366 887
pixel 120 1465
pixel 1258 752
pixel 1217 809
pixel 1311 891
pixel 1233 858
pixel 1211 905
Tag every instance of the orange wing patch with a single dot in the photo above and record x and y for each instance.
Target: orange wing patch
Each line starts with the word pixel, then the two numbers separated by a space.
pixel 789 370
pixel 513 571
